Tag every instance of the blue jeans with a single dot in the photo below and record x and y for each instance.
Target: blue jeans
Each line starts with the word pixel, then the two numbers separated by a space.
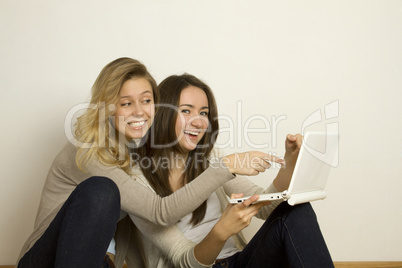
pixel 80 233
pixel 290 237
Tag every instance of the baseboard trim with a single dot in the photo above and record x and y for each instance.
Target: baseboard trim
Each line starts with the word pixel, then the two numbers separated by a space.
pixel 358 264
pixel 353 264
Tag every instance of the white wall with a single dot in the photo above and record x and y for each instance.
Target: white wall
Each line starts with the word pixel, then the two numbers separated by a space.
pixel 272 58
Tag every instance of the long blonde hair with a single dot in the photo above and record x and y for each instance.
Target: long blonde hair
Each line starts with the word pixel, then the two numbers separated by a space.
pixel 94 129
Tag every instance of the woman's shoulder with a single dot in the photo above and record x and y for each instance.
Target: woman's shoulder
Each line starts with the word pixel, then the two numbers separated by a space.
pixel 64 166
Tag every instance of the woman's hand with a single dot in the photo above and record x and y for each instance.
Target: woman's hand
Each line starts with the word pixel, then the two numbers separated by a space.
pixel 237 217
pixel 293 144
pixel 249 163
pixel 233 220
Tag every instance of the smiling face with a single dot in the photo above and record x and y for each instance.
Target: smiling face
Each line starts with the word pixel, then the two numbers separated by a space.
pixel 192 118
pixel 135 108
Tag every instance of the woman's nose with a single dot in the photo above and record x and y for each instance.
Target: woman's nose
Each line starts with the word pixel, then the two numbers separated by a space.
pixel 197 121
pixel 137 110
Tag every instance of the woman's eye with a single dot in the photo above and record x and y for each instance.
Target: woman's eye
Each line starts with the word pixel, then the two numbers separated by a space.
pixel 204 113
pixel 126 104
pixel 147 101
pixel 185 111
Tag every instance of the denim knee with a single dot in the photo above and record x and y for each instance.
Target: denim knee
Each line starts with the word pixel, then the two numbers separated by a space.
pixel 301 210
pixel 295 214
pixel 101 194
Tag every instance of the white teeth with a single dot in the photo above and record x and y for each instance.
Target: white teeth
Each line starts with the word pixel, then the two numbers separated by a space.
pixel 136 124
pixel 191 132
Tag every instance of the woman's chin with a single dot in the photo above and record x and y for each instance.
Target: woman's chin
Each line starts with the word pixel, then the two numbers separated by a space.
pixel 135 135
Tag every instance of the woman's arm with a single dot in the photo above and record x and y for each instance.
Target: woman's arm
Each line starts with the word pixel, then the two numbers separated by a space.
pixel 137 199
pixel 244 185
pixel 184 253
pixel 292 146
pixel 170 241
pixel 140 201
pixel 234 219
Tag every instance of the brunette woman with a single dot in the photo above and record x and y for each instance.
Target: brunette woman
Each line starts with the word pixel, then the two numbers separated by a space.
pixel 210 235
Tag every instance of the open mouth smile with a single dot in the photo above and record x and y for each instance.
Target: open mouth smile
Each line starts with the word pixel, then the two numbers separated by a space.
pixel 193 133
pixel 137 124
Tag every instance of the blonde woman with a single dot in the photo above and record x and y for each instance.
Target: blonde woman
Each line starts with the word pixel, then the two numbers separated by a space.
pixel 90 181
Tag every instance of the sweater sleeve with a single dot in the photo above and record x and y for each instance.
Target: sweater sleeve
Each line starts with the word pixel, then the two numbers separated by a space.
pixel 138 200
pixel 178 250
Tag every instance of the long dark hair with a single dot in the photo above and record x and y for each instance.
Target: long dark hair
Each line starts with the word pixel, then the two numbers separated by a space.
pixel 161 142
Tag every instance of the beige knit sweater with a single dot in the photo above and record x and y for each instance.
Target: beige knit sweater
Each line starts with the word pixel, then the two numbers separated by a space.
pixel 156 246
pixel 64 176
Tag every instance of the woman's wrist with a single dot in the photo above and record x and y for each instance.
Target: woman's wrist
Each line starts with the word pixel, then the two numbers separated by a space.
pixel 228 163
pixel 282 180
pixel 223 163
pixel 220 232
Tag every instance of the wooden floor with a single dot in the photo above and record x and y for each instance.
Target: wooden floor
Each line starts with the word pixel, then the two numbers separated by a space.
pixel 337 265
pixel 396 264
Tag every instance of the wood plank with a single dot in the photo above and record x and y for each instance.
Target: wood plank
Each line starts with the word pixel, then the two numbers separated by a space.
pixel 390 264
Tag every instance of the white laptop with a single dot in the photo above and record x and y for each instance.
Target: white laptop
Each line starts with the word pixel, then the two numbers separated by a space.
pixel 318 153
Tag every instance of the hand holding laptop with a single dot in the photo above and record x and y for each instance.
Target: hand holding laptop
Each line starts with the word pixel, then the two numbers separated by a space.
pixel 237 216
